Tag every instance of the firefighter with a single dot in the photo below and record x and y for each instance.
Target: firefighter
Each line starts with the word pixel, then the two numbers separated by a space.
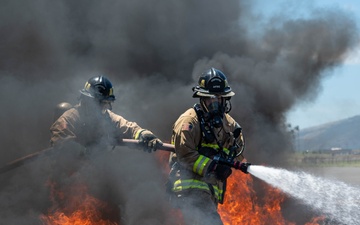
pixel 208 142
pixel 85 135
pixel 91 123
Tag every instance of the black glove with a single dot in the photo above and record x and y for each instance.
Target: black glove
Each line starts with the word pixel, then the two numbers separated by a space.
pixel 242 166
pixel 222 172
pixel 149 141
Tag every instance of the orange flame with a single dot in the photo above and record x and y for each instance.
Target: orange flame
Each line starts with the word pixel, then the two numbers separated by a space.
pixel 242 205
pixel 81 209
pixel 315 221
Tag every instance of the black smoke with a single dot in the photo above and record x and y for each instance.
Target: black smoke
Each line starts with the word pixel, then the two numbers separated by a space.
pixel 153 51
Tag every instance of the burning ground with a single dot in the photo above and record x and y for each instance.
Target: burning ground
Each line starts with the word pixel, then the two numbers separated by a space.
pixel 153 51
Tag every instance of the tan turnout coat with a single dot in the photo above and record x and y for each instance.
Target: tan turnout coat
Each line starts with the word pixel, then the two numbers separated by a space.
pixel 87 130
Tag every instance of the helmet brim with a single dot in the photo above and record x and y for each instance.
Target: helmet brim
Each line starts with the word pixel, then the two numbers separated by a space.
pixel 88 94
pixel 198 94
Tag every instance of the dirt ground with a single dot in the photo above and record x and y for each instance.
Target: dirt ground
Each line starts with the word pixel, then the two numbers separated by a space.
pixel 348 175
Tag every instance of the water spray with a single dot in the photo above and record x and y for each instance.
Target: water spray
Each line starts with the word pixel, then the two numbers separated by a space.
pixel 336 200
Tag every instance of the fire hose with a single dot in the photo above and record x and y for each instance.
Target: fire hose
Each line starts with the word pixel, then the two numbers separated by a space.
pixel 31 157
pixel 125 142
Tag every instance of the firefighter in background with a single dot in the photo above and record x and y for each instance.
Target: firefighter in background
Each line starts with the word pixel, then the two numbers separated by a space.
pixel 91 123
pixel 86 132
pixel 208 142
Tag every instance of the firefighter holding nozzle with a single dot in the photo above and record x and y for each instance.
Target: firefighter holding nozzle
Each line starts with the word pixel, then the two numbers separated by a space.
pixel 208 144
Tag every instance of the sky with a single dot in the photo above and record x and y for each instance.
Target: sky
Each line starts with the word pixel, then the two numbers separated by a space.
pixel 337 100
pixel 338 95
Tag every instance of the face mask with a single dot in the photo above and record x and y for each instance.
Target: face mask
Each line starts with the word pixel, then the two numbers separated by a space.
pixel 105 105
pixel 215 111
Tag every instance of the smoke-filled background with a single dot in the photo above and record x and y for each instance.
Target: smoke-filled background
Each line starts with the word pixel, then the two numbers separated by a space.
pixel 153 52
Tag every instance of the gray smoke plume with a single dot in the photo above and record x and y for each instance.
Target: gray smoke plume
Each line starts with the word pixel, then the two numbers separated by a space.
pixel 153 52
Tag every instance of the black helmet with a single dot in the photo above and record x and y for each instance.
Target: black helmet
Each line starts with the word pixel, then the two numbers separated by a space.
pixel 60 109
pixel 212 82
pixel 99 87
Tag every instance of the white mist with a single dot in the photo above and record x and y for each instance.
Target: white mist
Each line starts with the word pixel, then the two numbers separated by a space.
pixel 336 200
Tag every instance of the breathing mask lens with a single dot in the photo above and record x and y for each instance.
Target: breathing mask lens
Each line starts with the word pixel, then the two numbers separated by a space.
pixel 213 106
pixel 215 110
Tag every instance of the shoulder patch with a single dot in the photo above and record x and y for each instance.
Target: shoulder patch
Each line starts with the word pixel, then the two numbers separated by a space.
pixel 187 126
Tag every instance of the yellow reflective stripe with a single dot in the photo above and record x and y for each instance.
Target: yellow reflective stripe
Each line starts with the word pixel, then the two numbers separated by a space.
pixel 215 146
pixel 210 145
pixel 137 134
pixel 87 86
pixel 181 185
pixel 200 164
pixel 218 193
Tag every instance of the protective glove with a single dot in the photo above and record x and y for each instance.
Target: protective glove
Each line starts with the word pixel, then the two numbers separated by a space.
pixel 222 172
pixel 242 166
pixel 149 142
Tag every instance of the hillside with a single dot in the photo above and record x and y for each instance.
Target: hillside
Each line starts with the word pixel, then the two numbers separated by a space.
pixel 339 134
